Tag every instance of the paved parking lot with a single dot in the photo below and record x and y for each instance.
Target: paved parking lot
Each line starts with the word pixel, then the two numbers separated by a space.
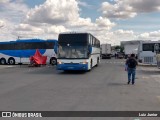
pixel 105 88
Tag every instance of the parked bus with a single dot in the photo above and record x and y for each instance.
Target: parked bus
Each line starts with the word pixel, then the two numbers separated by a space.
pixel 19 51
pixel 147 52
pixel 78 51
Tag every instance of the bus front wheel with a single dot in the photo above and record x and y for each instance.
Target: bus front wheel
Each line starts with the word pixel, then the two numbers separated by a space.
pixel 53 61
pixel 97 62
pixel 91 65
pixel 11 61
pixel 2 61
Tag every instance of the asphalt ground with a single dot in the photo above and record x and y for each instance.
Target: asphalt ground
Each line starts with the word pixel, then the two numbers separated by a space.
pixel 105 88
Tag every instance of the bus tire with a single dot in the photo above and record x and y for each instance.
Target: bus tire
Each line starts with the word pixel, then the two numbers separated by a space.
pixel 97 62
pixel 11 61
pixel 53 61
pixel 91 65
pixel 2 61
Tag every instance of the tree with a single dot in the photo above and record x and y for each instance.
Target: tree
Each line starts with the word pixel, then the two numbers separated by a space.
pixel 119 48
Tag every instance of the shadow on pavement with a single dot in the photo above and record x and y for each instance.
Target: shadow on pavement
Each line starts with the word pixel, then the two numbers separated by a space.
pixel 149 72
pixel 73 72
pixel 117 84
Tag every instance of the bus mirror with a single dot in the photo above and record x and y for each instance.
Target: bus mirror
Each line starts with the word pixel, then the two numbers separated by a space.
pixel 90 49
pixel 156 47
pixel 88 53
pixel 56 48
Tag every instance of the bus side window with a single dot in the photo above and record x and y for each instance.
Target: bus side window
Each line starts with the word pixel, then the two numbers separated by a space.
pixel 91 41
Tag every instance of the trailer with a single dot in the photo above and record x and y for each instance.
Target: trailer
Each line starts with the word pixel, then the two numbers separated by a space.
pixel 130 47
pixel 106 51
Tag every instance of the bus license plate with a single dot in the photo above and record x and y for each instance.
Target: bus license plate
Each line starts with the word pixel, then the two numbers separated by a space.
pixel 70 67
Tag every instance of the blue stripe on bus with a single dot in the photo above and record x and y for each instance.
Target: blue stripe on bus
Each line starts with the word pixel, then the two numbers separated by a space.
pixel 21 53
pixel 28 40
pixel 72 67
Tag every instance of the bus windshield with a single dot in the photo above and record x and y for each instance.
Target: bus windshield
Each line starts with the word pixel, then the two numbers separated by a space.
pixel 72 52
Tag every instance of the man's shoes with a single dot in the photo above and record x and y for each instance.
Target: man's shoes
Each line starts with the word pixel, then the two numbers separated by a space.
pixel 128 82
pixel 132 83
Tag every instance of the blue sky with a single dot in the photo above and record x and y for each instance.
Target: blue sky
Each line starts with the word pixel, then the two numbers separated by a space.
pixel 119 20
pixel 32 3
pixel 141 23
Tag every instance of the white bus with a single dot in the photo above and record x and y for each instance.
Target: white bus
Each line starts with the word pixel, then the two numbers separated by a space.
pixel 78 51
pixel 146 52
pixel 19 51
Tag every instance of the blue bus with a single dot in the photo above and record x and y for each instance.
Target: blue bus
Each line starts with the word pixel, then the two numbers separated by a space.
pixel 77 51
pixel 19 51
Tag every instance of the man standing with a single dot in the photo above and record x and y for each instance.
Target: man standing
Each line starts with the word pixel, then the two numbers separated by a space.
pixel 131 64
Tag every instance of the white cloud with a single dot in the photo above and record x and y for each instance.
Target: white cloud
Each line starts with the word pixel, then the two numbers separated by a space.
pixel 80 22
pixel 56 29
pixel 104 23
pixel 11 13
pixel 129 8
pixel 144 36
pixel 2 23
pixel 13 10
pixel 84 4
pixel 4 1
pixel 56 16
pixel 6 28
pixel 26 29
pixel 121 35
pixel 155 35
pixel 122 32
pixel 54 12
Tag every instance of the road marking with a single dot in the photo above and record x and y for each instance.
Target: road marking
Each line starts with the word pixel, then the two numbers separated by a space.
pixel 144 77
pixel 115 62
pixel 9 66
pixel 2 67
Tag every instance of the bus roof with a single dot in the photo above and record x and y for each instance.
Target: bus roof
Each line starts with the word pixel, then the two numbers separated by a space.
pixel 75 33
pixel 28 40
pixel 63 33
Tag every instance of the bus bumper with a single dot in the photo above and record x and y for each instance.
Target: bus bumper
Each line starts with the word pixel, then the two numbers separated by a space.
pixel 72 67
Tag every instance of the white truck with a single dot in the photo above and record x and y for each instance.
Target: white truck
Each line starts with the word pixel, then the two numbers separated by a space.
pixel 129 49
pixel 106 51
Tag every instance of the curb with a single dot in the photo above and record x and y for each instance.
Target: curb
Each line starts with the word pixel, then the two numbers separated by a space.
pixel 146 65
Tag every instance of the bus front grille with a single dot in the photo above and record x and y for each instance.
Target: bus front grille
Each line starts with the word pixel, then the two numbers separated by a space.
pixel 148 60
pixel 71 63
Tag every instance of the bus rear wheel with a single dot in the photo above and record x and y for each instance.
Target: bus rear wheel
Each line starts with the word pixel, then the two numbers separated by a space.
pixel 91 65
pixel 53 61
pixel 11 61
pixel 2 61
pixel 97 62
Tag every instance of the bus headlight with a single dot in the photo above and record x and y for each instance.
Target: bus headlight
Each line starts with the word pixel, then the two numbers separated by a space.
pixel 84 62
pixel 59 62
